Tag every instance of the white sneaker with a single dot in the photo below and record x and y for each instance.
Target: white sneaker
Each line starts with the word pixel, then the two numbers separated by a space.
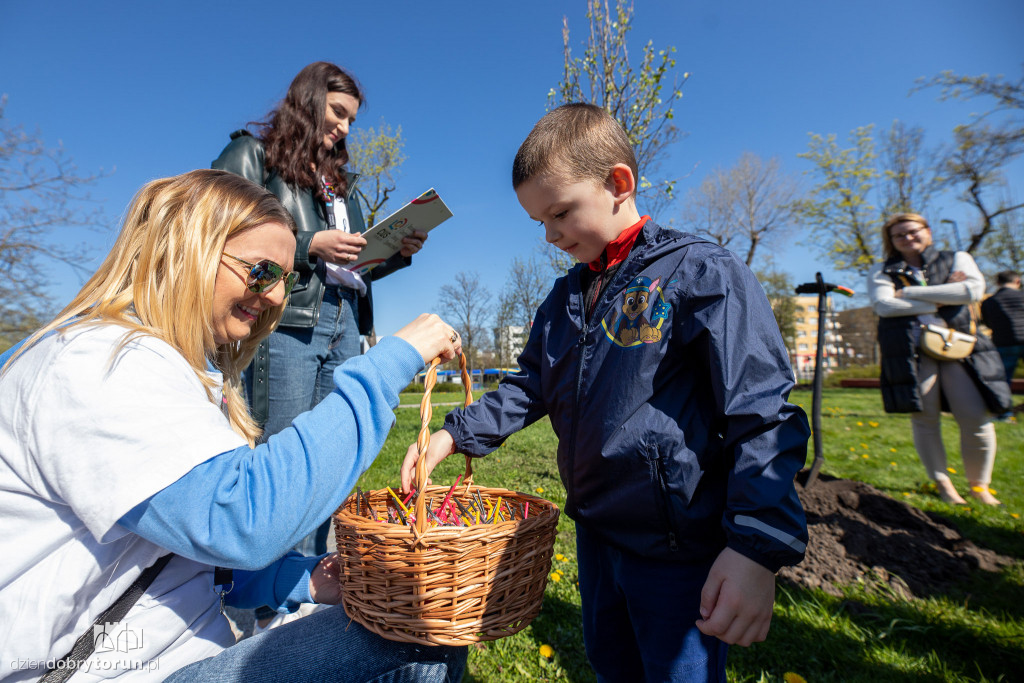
pixel 305 609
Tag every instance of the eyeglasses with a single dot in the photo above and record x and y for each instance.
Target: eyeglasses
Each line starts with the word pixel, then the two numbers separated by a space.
pixel 265 274
pixel 906 235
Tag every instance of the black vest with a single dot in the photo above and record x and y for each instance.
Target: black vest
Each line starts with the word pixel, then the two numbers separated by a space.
pixel 898 344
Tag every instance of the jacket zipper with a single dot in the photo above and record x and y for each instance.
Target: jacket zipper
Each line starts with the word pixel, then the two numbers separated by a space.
pixel 581 346
pixel 581 349
pixel 666 503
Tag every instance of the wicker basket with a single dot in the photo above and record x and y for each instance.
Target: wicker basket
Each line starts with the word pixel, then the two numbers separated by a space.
pixel 445 585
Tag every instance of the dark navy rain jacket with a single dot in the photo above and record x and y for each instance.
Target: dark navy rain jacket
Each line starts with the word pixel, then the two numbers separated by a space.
pixel 675 437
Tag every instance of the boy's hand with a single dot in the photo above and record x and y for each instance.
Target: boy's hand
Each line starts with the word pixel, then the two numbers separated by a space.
pixel 737 600
pixel 441 446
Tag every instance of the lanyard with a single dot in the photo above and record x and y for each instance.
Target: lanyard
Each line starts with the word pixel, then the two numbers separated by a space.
pixel 330 193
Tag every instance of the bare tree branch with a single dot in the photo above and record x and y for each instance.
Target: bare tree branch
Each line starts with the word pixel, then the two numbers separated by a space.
pixel 41 191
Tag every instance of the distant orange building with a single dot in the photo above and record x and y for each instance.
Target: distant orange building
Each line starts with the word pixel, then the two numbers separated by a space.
pixel 806 341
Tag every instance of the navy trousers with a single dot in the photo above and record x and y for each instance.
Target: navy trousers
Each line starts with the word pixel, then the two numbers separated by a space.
pixel 639 617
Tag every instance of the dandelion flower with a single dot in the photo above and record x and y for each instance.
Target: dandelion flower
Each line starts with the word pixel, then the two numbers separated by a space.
pixel 790 677
pixel 865 456
pixel 1015 515
pixel 547 651
pixel 892 450
pixel 852 449
pixel 863 445
pixel 859 424
pixel 540 489
pixel 560 557
pixel 892 464
pixel 873 423
pixel 555 577
pixel 951 470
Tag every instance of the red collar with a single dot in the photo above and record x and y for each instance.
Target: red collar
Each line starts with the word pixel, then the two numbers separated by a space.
pixel 618 249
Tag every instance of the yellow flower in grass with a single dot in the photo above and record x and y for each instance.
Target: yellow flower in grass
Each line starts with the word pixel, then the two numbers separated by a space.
pixel 1015 515
pixel 852 449
pixel 560 557
pixel 863 445
pixel 859 424
pixel 865 456
pixel 906 493
pixel 790 677
pixel 892 464
pixel 540 489
pixel 951 470
pixel 873 423
pixel 892 450
pixel 547 651
pixel 555 576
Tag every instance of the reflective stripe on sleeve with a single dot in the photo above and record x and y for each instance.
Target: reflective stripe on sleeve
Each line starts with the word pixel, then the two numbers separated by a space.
pixel 794 543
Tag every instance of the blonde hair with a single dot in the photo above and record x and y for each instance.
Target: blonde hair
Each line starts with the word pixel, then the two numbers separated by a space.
pixel 896 218
pixel 159 277
pixel 574 142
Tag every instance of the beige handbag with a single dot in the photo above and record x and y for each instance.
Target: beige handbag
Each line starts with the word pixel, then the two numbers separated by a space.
pixel 943 343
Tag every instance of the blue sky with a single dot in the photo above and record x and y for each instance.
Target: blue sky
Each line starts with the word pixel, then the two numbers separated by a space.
pixel 153 89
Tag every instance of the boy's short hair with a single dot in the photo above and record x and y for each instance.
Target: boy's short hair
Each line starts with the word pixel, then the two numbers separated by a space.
pixel 575 142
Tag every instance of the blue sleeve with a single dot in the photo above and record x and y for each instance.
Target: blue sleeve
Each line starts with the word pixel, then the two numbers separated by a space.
pixel 518 402
pixel 764 436
pixel 284 585
pixel 246 508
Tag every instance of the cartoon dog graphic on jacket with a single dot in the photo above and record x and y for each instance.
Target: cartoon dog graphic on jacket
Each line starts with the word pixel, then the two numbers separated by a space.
pixel 633 326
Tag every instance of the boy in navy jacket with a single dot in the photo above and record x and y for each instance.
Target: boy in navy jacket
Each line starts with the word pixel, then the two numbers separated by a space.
pixel 665 377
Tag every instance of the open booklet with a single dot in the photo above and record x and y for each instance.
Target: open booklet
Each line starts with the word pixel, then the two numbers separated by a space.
pixel 384 239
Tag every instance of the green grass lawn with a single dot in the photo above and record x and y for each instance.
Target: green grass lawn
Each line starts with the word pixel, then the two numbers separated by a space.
pixel 975 633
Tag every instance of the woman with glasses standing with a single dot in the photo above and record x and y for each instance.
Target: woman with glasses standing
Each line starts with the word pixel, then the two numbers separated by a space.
pixel 920 285
pixel 126 444
pixel 299 154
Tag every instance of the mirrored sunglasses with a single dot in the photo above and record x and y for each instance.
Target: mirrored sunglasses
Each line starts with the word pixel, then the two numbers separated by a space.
pixel 265 274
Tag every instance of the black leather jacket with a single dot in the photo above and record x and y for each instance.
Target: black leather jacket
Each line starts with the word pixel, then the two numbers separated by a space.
pixel 244 156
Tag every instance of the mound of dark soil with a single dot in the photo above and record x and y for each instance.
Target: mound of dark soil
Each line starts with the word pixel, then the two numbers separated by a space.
pixel 858 532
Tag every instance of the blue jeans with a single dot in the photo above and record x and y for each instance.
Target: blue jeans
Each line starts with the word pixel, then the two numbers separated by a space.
pixel 325 646
pixel 639 616
pixel 1010 356
pixel 301 374
pixel 303 359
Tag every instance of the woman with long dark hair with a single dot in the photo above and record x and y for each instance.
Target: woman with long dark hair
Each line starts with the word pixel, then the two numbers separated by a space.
pixel 299 154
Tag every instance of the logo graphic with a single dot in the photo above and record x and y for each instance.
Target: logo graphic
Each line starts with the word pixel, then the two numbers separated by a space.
pixel 641 314
pixel 116 638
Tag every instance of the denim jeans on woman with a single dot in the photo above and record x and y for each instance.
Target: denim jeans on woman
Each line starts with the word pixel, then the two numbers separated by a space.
pixel 302 363
pixel 326 646
pixel 301 374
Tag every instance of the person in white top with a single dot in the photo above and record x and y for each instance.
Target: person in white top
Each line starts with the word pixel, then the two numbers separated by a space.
pixel 919 285
pixel 125 439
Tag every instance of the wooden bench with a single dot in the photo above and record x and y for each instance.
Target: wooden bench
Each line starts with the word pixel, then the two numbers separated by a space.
pixel 1016 386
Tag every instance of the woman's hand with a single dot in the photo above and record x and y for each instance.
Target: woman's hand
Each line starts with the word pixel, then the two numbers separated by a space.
pixel 337 246
pixel 432 337
pixel 441 446
pixel 413 243
pixel 324 584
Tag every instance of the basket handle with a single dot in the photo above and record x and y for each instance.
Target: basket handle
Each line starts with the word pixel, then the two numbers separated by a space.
pixel 423 440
